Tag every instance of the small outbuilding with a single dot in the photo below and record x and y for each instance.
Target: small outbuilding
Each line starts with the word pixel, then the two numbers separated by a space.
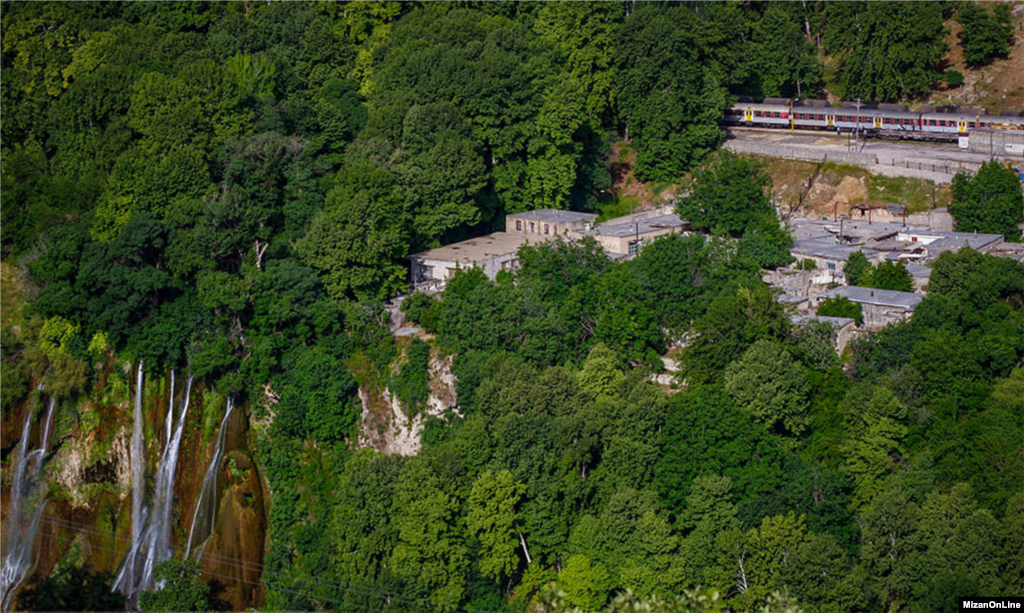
pixel 881 307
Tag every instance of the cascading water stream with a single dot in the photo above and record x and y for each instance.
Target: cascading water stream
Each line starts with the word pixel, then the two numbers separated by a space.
pixel 25 509
pixel 206 506
pixel 138 462
pixel 153 544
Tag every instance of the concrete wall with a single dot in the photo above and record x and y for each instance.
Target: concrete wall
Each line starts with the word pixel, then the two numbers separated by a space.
pixel 443 270
pixel 1008 144
pixel 877 316
pixel 937 171
pixel 820 263
pixel 620 244
pixel 843 337
pixel 800 152
pixel 538 227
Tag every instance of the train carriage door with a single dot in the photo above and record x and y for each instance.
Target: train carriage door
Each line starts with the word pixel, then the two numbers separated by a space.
pixel 961 126
pixel 748 115
pixel 830 120
pixel 877 122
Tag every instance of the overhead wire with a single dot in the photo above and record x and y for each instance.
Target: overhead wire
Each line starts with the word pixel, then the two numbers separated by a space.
pixel 238 563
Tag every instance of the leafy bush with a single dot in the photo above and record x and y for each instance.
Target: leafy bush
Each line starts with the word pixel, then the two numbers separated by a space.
pixel 953 78
pixel 411 382
pixel 421 308
pixel 14 376
pixel 841 306
pixel 989 201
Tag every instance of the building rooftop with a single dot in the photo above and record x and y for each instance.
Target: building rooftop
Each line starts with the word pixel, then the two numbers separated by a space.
pixel 824 248
pixel 918 271
pixel 854 231
pixel 938 241
pixel 791 298
pixel 478 249
pixel 879 297
pixel 555 216
pixel 618 228
pixel 837 322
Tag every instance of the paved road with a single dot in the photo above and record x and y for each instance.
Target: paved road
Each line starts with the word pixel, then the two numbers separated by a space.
pixel 887 152
pixel 938 162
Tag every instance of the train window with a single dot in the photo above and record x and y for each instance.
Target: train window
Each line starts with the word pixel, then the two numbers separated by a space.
pixel 970 124
pixel 886 120
pixel 942 123
pixel 931 122
pixel 776 115
pixel 757 113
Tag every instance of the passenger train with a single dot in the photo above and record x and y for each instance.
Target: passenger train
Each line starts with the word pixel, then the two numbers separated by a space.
pixel 893 120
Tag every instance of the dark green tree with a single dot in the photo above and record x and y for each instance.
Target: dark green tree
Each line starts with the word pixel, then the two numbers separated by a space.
pixel 784 62
pixel 771 385
pixel 841 306
pixel 669 100
pixel 729 196
pixel 984 36
pixel 886 51
pixel 891 275
pixel 73 588
pixel 182 590
pixel 857 268
pixel 990 201
pixel 734 320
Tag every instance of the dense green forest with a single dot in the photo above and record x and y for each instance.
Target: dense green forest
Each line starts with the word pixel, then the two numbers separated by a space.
pixel 230 189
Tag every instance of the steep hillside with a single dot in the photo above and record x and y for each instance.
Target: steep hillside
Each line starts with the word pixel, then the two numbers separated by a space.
pixel 997 86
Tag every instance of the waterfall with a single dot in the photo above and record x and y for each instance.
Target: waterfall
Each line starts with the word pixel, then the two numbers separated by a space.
pixel 138 463
pixel 25 509
pixel 153 544
pixel 206 506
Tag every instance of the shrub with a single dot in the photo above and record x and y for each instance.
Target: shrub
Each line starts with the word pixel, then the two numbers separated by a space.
pixel 841 306
pixel 420 309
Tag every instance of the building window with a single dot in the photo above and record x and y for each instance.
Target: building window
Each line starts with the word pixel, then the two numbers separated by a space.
pixel 533 227
pixel 634 248
pixel 426 273
pixel 519 226
pixel 832 266
pixel 547 229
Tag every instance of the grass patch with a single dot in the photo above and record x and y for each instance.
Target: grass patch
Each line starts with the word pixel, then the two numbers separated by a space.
pixel 12 294
pixel 916 194
pixel 617 206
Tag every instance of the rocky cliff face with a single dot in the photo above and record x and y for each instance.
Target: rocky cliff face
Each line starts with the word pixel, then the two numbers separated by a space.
pixel 88 482
pixel 386 425
pixel 88 472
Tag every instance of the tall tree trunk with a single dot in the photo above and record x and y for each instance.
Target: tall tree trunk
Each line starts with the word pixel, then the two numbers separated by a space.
pixel 526 552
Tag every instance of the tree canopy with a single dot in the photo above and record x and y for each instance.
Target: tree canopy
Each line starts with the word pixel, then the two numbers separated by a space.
pixel 990 201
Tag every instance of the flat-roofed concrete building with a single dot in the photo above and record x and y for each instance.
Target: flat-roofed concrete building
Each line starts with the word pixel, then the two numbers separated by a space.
pixel 920 275
pixel 829 255
pixel 627 236
pixel 843 327
pixel 880 306
pixel 548 222
pixel 495 252
pixel 936 242
pixel 491 253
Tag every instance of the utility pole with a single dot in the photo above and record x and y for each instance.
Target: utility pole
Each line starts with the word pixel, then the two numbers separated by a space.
pixel 856 128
